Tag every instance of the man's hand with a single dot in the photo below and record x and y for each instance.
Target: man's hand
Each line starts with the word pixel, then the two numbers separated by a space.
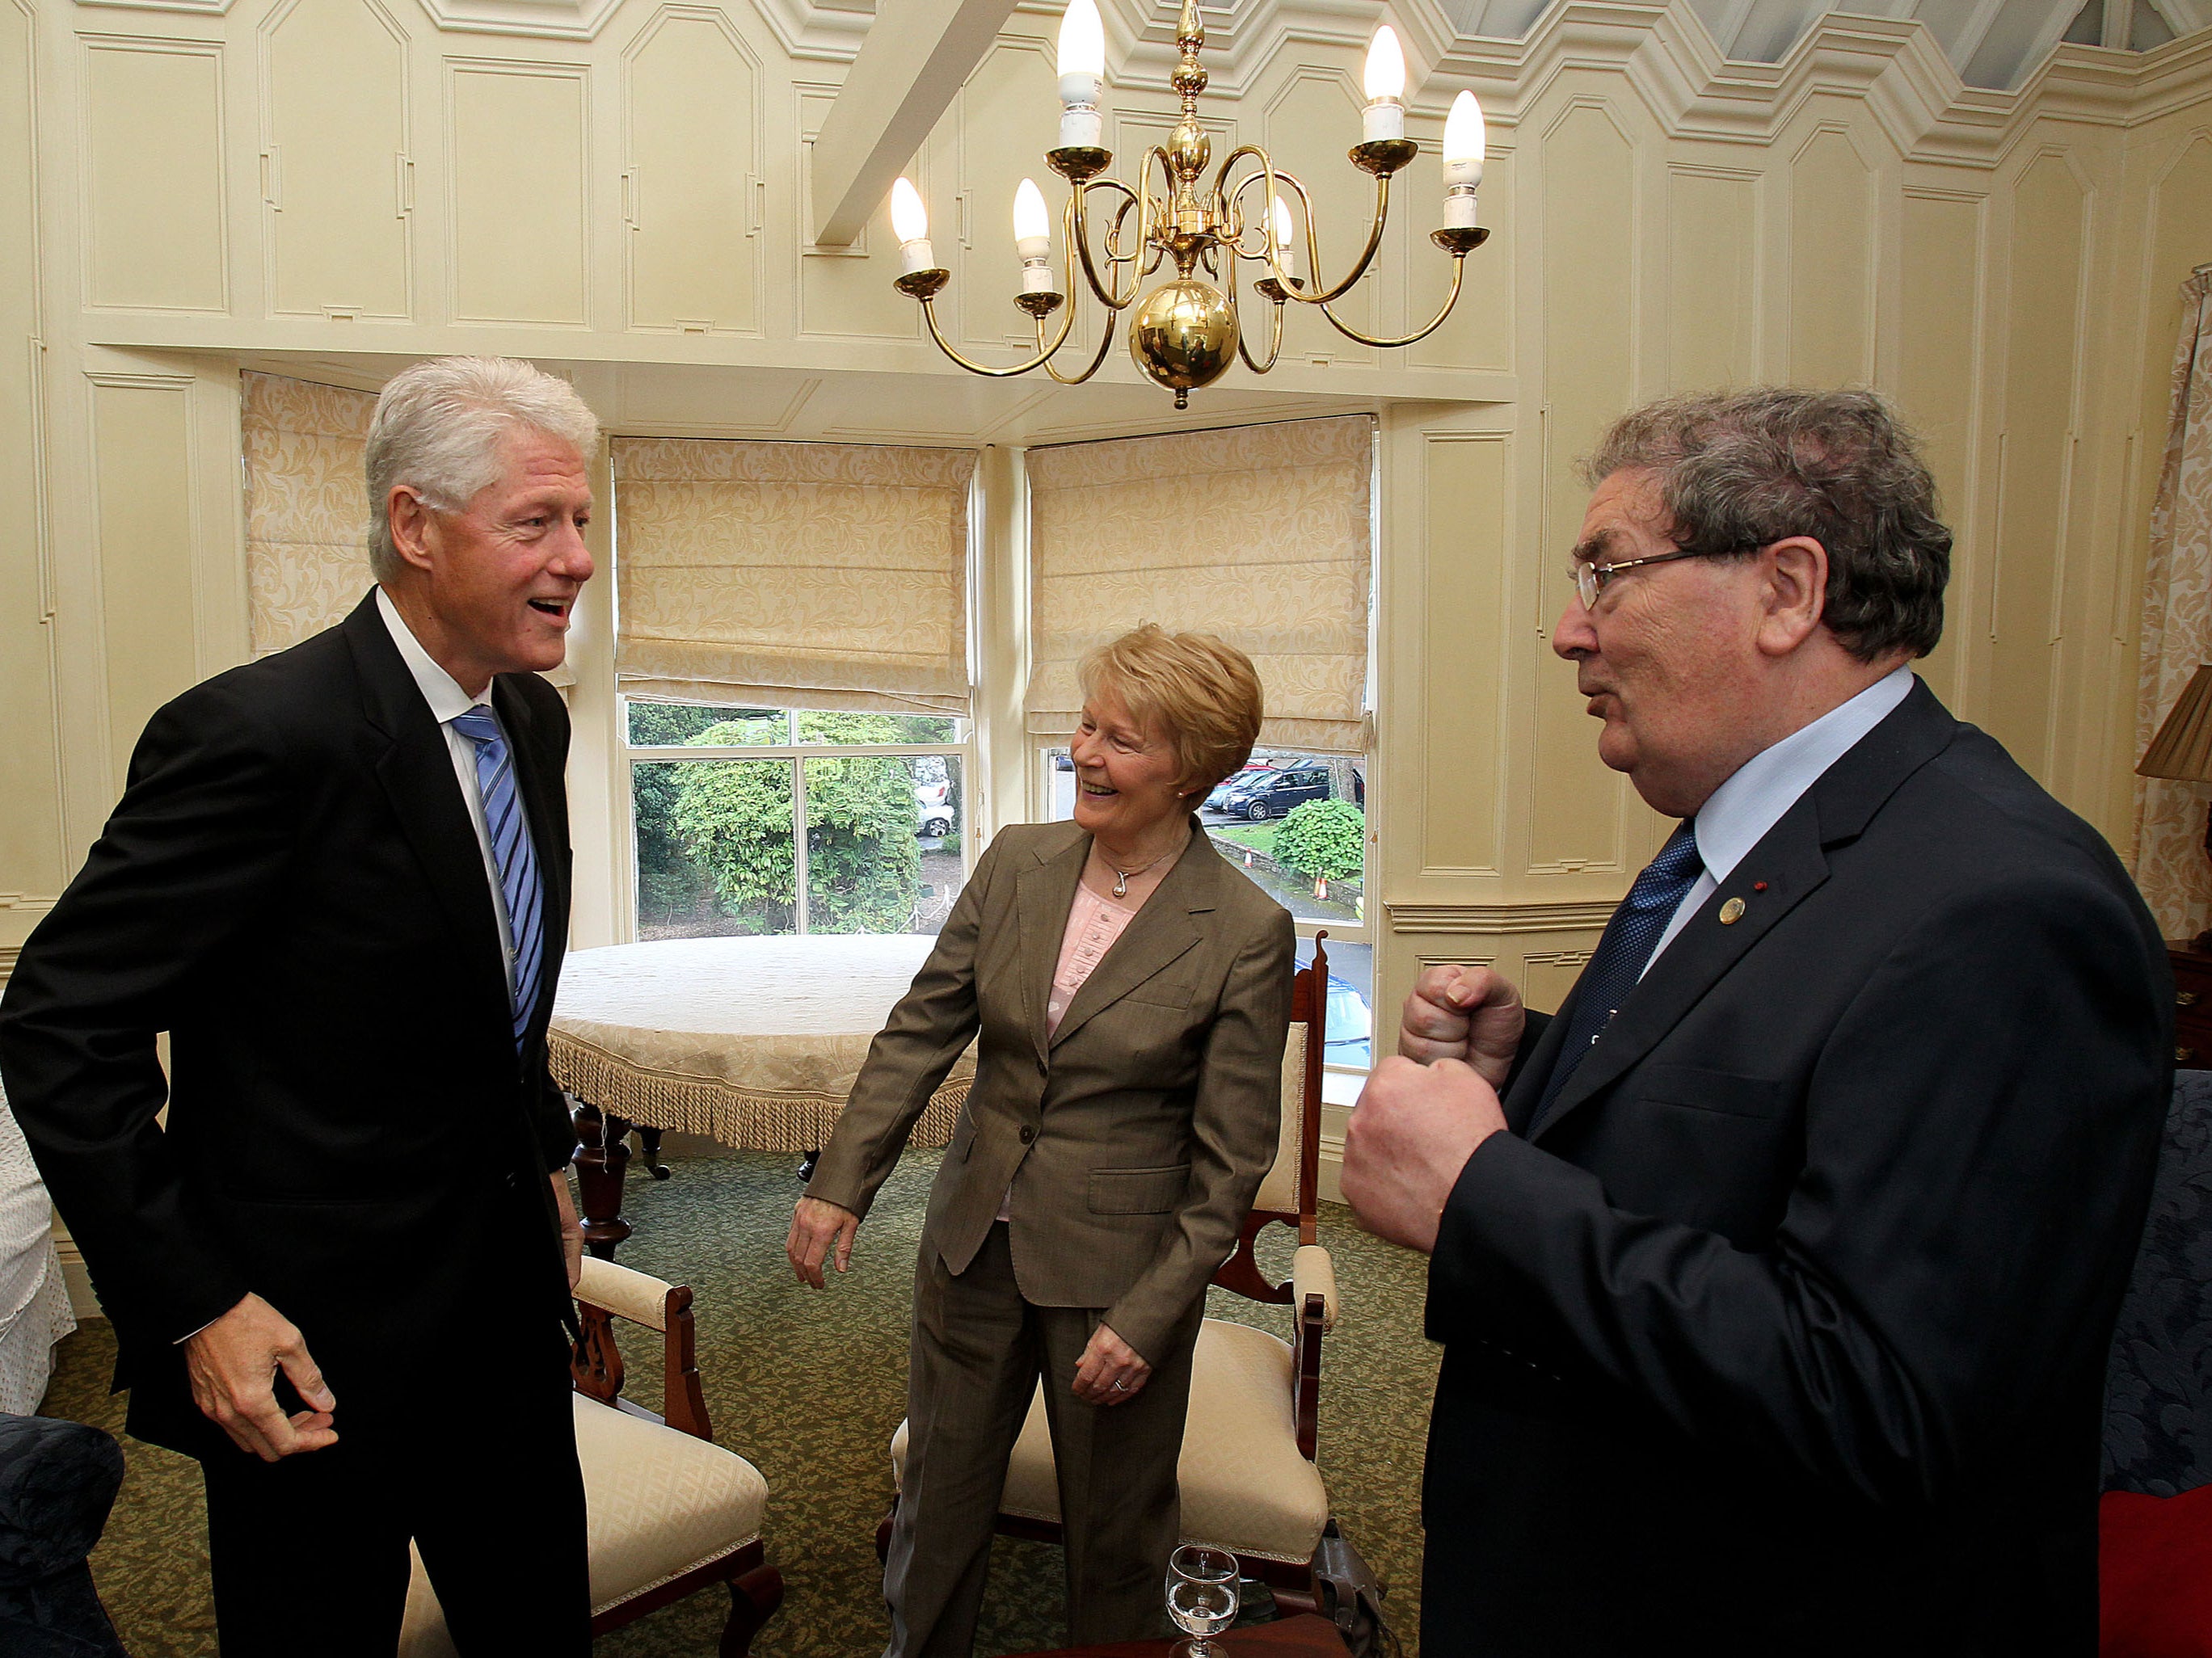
pixel 1471 1014
pixel 572 1230
pixel 1109 1372
pixel 1411 1133
pixel 814 1225
pixel 233 1364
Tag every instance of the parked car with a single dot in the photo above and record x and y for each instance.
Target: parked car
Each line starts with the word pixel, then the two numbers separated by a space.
pixel 1270 794
pixel 1252 771
pixel 933 803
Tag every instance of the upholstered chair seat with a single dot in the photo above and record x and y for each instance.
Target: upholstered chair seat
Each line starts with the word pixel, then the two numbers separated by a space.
pixel 668 1512
pixel 1245 1487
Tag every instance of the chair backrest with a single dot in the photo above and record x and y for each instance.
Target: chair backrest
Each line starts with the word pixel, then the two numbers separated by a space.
pixel 2158 1419
pixel 1290 1193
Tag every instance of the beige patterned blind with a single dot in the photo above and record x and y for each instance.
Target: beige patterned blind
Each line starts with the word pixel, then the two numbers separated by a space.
pixel 1260 534
pixel 811 575
pixel 307 507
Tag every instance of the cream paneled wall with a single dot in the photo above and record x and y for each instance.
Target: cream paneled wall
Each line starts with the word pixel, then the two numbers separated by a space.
pixel 326 187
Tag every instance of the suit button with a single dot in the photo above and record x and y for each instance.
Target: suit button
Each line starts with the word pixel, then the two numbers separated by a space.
pixel 1028 1134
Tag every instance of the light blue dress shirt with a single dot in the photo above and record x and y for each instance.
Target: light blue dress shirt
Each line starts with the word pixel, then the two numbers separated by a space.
pixel 1771 781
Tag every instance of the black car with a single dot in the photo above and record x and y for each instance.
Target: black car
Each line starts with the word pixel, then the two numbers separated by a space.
pixel 1272 793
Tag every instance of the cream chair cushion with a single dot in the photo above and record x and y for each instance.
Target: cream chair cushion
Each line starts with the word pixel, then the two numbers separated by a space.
pixel 658 1504
pixel 1244 1486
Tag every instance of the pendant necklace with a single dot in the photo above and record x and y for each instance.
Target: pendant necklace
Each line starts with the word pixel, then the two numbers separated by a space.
pixel 1121 876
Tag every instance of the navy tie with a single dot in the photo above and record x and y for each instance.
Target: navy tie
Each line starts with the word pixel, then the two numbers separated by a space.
pixel 512 851
pixel 1623 953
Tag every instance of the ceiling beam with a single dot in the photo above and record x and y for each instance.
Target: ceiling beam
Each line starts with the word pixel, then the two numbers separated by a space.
pixel 917 55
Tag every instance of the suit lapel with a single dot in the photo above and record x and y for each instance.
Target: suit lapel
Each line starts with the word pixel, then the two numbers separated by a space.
pixel 1787 866
pixel 416 771
pixel 1160 931
pixel 1041 898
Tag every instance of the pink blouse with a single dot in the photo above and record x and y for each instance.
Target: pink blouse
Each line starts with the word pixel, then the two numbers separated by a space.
pixel 1093 924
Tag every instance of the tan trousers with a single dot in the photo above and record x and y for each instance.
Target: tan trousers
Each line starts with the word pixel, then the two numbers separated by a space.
pixel 977 1351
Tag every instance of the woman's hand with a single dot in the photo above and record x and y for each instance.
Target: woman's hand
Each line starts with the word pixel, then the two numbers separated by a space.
pixel 1109 1373
pixel 814 1225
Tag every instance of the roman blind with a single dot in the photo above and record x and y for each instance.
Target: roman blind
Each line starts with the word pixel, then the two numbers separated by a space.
pixel 1259 534
pixel 810 575
pixel 306 507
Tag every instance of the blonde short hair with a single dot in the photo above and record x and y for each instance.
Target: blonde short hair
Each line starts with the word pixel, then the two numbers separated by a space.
pixel 1199 691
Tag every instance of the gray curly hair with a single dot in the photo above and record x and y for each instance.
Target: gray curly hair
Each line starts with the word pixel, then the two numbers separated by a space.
pixel 437 429
pixel 1738 470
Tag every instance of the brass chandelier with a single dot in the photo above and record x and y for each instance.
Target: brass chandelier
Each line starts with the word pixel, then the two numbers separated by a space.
pixel 1185 332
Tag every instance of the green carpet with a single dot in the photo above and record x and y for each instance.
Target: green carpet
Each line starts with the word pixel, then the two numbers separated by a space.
pixel 808 1388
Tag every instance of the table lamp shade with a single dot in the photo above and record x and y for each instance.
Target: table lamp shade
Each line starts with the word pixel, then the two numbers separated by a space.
pixel 2183 747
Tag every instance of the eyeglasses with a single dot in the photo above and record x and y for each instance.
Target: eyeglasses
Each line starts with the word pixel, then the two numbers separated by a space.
pixel 1590 579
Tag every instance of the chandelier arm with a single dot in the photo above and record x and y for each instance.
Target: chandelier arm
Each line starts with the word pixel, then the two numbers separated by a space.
pixel 1322 293
pixel 1079 237
pixel 1105 339
pixel 1273 174
pixel 1274 343
pixel 929 314
pixel 1459 270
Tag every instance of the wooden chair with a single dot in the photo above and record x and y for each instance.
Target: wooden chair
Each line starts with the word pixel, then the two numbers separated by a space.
pixel 670 1512
pixel 1249 1484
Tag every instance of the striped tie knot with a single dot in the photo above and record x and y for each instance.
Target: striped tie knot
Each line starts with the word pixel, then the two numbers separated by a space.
pixel 509 833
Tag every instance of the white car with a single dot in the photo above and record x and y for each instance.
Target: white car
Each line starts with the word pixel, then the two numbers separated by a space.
pixel 932 801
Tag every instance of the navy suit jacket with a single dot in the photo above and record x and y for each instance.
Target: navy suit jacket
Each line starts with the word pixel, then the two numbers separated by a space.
pixel 292 888
pixel 1787 1332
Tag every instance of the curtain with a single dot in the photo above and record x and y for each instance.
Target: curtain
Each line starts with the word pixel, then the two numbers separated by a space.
pixel 1260 534
pixel 793 574
pixel 2170 864
pixel 306 507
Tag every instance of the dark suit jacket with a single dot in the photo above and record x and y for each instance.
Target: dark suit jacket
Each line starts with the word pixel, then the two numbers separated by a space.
pixel 291 888
pixel 1135 1135
pixel 1786 1334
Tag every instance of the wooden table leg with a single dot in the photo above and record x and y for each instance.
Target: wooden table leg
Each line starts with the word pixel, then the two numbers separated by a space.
pixel 602 1159
pixel 649 1141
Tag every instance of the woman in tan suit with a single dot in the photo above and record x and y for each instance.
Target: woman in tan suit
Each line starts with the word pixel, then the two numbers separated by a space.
pixel 1132 992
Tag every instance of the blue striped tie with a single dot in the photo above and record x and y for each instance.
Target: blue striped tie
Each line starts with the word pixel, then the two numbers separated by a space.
pixel 511 848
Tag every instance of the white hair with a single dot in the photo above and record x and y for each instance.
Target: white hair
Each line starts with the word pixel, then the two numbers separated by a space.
pixel 437 429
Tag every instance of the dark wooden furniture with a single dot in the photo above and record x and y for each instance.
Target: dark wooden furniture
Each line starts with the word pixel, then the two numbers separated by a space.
pixel 756 1587
pixel 2192 1005
pixel 1305 1636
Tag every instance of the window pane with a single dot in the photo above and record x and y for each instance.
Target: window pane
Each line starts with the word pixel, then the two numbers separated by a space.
pixel 715 851
pixel 883 843
pixel 1296 825
pixel 656 725
pixel 1059 786
pixel 1348 1038
pixel 840 726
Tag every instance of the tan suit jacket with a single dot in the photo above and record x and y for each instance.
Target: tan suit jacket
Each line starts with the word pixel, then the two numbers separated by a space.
pixel 1134 1137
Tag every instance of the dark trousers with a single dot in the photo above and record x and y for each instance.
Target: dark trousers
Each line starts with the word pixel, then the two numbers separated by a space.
pixel 977 1351
pixel 309 1554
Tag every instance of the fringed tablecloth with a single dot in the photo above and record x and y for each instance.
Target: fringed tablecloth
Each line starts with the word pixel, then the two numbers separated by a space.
pixel 753 1041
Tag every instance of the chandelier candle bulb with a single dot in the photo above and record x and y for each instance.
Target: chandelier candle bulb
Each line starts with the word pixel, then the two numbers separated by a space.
pixel 1082 75
pixel 1384 118
pixel 1285 249
pixel 910 223
pixel 1033 238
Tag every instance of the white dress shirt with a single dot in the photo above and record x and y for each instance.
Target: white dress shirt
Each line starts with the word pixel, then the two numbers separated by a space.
pixel 1767 784
pixel 446 699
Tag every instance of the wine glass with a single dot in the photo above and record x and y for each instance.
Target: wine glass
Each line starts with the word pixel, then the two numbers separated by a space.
pixel 1202 1594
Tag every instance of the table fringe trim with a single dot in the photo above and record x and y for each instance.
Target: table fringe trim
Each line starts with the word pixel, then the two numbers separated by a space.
pixel 736 1116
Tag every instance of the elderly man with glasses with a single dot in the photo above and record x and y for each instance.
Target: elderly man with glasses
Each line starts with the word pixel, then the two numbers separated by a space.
pixel 1775 1273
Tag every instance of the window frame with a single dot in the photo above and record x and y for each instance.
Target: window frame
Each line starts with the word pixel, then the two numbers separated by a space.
pixel 633 754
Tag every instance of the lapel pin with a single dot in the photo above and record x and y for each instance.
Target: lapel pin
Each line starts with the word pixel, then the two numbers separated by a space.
pixel 1758 886
pixel 1731 911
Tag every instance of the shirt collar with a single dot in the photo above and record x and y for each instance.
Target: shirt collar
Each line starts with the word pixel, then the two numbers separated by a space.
pixel 1752 801
pixel 439 688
